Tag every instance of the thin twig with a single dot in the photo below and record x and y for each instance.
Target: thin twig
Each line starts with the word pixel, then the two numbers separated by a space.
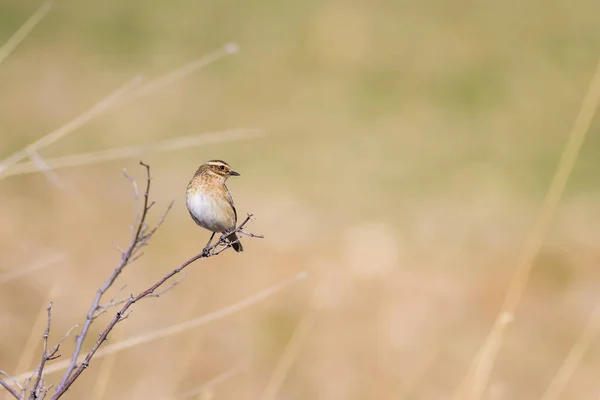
pixel 181 327
pixel 29 354
pixel 161 220
pixel 111 303
pixel 62 340
pixel 114 303
pixel 28 382
pixel 141 234
pixel 251 234
pixel 44 392
pixel 168 288
pixel 46 356
pixel 125 260
pixel 10 378
pixel 221 245
pixel 9 388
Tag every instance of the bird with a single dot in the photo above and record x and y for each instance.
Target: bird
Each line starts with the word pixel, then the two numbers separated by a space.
pixel 209 202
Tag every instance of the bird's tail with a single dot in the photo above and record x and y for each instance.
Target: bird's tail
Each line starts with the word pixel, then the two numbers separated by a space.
pixel 236 244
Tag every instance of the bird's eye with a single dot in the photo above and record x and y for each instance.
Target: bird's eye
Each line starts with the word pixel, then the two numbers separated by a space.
pixel 221 167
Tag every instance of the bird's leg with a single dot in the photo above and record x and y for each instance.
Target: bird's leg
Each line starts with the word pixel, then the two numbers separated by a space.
pixel 209 241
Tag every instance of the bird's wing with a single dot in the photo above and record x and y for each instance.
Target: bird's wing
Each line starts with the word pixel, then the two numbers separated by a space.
pixel 232 206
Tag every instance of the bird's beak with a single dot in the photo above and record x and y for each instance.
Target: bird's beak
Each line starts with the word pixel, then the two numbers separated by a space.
pixel 233 173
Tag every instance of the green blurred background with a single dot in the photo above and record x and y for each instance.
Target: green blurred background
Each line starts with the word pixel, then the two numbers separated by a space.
pixel 407 151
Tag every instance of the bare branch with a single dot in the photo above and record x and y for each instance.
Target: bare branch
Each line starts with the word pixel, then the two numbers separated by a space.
pixel 9 388
pixel 62 340
pixel 27 383
pixel 44 392
pixel 111 303
pixel 170 287
pixel 136 197
pixel 126 258
pixel 10 378
pixel 114 303
pixel 183 326
pixel 141 233
pixel 160 221
pixel 46 356
pixel 251 234
pixel 221 245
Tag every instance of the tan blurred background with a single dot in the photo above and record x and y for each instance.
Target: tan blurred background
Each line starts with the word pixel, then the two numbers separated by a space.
pixel 407 149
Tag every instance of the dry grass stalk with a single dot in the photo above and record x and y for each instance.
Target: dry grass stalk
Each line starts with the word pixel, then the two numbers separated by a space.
pixel 181 72
pixel 69 127
pixel 126 93
pixel 205 390
pixel 25 29
pixel 291 350
pixel 477 378
pixel 120 153
pixel 568 367
pixel 19 272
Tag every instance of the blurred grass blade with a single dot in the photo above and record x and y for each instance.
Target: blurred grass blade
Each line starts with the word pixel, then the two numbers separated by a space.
pixel 102 379
pixel 217 380
pixel 71 126
pixel 131 91
pixel 288 357
pixel 478 376
pixel 76 160
pixel 192 345
pixel 24 30
pixel 558 384
pixel 175 329
pixel 181 72
pixel 18 272
pixel 422 367
pixel 52 176
pixel 290 352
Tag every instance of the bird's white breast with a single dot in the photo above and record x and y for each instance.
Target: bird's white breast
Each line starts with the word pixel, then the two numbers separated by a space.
pixel 208 211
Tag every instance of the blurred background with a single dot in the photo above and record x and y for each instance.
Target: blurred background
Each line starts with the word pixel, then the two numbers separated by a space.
pixel 398 152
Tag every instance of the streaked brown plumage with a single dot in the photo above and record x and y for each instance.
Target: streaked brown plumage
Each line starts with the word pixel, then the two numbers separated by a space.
pixel 209 202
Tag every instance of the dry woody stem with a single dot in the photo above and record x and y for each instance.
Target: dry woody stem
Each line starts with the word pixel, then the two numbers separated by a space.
pixel 141 233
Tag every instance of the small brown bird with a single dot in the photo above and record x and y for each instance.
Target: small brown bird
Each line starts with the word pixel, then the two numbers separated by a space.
pixel 209 202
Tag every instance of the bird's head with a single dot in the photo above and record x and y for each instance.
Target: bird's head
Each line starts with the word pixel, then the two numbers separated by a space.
pixel 217 168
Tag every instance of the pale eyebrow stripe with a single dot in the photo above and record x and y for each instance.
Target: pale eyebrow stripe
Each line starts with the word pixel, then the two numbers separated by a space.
pixel 217 163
